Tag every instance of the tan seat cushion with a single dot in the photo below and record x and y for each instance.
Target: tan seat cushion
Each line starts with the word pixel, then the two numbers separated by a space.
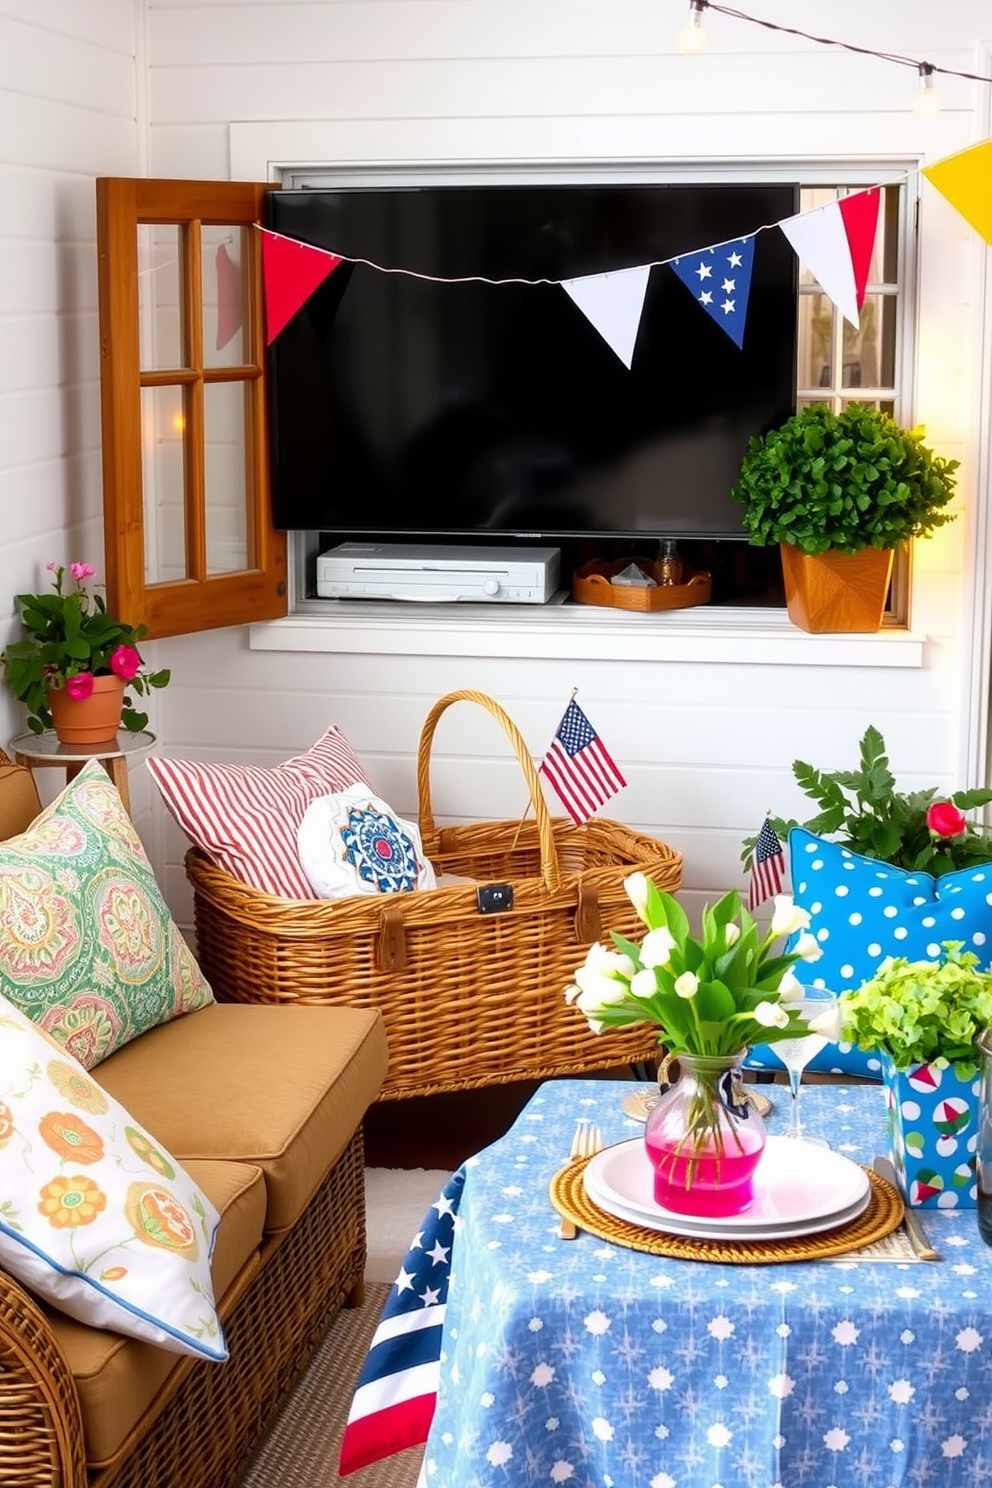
pixel 117 1378
pixel 284 1088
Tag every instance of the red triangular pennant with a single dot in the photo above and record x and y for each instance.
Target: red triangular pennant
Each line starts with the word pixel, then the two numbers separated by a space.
pixel 291 271
pixel 860 216
pixel 228 297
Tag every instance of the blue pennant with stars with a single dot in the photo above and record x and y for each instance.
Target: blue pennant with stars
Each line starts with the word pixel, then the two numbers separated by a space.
pixel 720 280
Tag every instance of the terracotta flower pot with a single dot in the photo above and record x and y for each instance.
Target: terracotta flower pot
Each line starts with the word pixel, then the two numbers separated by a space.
pixel 836 591
pixel 92 720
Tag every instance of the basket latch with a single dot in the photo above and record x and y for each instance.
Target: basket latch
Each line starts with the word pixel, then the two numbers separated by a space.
pixel 588 921
pixel 390 953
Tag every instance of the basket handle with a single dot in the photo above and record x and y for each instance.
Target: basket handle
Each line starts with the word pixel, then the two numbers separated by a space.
pixel 550 870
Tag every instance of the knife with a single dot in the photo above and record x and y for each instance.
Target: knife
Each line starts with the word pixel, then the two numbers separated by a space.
pixel 914 1227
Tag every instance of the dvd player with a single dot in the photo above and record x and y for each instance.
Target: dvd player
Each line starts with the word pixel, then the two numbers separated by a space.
pixel 432 573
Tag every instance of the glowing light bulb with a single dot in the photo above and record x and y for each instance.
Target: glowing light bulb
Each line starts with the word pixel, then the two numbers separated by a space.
pixel 693 37
pixel 926 103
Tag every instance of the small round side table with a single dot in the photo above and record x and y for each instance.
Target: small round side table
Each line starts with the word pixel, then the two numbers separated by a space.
pixel 43 751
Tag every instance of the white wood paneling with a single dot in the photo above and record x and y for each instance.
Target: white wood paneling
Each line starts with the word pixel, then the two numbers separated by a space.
pixel 67 114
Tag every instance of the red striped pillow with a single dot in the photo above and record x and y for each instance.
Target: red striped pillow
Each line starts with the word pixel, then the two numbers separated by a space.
pixel 246 817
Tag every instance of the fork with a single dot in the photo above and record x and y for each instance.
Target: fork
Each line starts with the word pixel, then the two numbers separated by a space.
pixel 587 1141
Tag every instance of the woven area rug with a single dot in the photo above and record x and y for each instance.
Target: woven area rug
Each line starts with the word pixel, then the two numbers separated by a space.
pixel 301 1450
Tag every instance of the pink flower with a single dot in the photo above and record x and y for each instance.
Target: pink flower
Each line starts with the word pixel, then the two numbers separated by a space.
pixel 945 820
pixel 80 686
pixel 81 571
pixel 125 662
pixel 51 566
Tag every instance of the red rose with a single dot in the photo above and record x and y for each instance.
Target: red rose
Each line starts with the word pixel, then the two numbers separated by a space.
pixel 125 662
pixel 80 686
pixel 945 820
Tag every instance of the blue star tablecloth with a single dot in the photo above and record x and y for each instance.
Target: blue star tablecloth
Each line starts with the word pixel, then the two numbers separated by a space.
pixel 586 1364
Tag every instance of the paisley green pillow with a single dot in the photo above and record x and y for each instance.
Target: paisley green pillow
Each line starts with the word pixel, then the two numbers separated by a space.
pixel 88 949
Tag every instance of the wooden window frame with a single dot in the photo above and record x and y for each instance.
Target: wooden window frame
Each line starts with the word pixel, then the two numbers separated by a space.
pixel 201 600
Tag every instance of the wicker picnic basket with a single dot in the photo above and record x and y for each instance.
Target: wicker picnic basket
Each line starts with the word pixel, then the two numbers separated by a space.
pixel 469 998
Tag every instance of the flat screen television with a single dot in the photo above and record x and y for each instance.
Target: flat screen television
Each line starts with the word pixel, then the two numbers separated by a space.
pixel 429 405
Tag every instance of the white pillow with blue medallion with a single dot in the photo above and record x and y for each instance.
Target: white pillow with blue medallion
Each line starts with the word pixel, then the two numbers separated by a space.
pixel 862 910
pixel 353 843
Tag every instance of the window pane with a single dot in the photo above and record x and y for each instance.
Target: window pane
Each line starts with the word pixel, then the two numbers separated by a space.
pixel 163 424
pixel 888 227
pixel 159 324
pixel 816 324
pixel 223 296
pixel 224 477
pixel 870 351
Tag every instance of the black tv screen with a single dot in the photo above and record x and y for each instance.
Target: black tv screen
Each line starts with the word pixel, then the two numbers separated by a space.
pixel 420 408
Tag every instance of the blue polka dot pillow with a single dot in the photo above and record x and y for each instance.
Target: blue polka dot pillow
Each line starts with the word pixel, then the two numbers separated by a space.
pixel 862 910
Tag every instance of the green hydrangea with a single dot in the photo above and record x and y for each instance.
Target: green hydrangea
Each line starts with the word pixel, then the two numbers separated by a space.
pixel 922 1012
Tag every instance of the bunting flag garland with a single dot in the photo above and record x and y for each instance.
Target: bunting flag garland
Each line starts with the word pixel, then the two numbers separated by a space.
pixel 291 271
pixel 720 280
pixel 835 243
pixel 613 303
pixel 966 181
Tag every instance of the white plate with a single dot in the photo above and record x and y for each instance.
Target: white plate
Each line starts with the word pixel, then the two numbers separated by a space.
pixel 699 1229
pixel 799 1188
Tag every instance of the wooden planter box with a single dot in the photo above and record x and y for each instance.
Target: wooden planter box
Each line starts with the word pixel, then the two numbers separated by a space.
pixel 836 591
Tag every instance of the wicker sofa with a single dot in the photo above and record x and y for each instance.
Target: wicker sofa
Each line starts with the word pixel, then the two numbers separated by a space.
pixel 264 1108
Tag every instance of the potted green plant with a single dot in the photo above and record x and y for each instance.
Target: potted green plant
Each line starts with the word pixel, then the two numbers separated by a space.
pixel 883 872
pixel 73 653
pixel 924 1019
pixel 839 492
pixel 862 810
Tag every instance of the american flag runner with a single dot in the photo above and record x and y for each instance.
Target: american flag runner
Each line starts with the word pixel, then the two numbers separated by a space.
pixel 579 768
pixel 394 1401
pixel 767 866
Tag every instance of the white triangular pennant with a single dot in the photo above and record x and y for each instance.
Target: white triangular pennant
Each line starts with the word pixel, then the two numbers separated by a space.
pixel 820 239
pixel 613 304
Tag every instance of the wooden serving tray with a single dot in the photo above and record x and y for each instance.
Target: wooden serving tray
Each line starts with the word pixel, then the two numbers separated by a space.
pixel 591 585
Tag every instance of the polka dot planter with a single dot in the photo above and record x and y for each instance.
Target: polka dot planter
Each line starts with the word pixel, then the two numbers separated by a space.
pixel 933 1133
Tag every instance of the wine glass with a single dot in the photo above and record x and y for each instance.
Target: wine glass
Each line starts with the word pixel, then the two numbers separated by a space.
pixel 796 1053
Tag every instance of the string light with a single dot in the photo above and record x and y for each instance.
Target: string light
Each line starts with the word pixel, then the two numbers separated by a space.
pixel 926 70
pixel 693 37
pixel 926 103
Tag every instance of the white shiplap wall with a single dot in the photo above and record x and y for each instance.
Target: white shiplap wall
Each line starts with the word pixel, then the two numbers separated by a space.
pixel 67 114
pixel 242 88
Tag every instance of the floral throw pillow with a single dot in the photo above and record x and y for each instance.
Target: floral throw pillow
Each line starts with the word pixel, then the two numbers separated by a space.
pixel 245 817
pixel 352 843
pixel 88 949
pixel 96 1217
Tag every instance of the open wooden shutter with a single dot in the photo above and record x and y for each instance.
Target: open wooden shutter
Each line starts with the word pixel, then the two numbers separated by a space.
pixel 188 534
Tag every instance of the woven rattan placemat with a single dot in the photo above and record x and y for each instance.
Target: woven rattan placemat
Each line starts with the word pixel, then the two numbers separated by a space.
pixel 883 1214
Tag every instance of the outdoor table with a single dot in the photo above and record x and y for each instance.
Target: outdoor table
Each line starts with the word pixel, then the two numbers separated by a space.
pixel 588 1364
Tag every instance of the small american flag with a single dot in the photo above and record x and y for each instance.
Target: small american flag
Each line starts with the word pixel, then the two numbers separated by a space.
pixel 394 1402
pixel 579 768
pixel 767 866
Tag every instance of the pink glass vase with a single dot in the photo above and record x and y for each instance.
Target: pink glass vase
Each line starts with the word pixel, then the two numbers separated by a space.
pixel 705 1139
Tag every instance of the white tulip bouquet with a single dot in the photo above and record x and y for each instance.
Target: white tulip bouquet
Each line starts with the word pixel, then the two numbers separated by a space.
pixel 712 996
